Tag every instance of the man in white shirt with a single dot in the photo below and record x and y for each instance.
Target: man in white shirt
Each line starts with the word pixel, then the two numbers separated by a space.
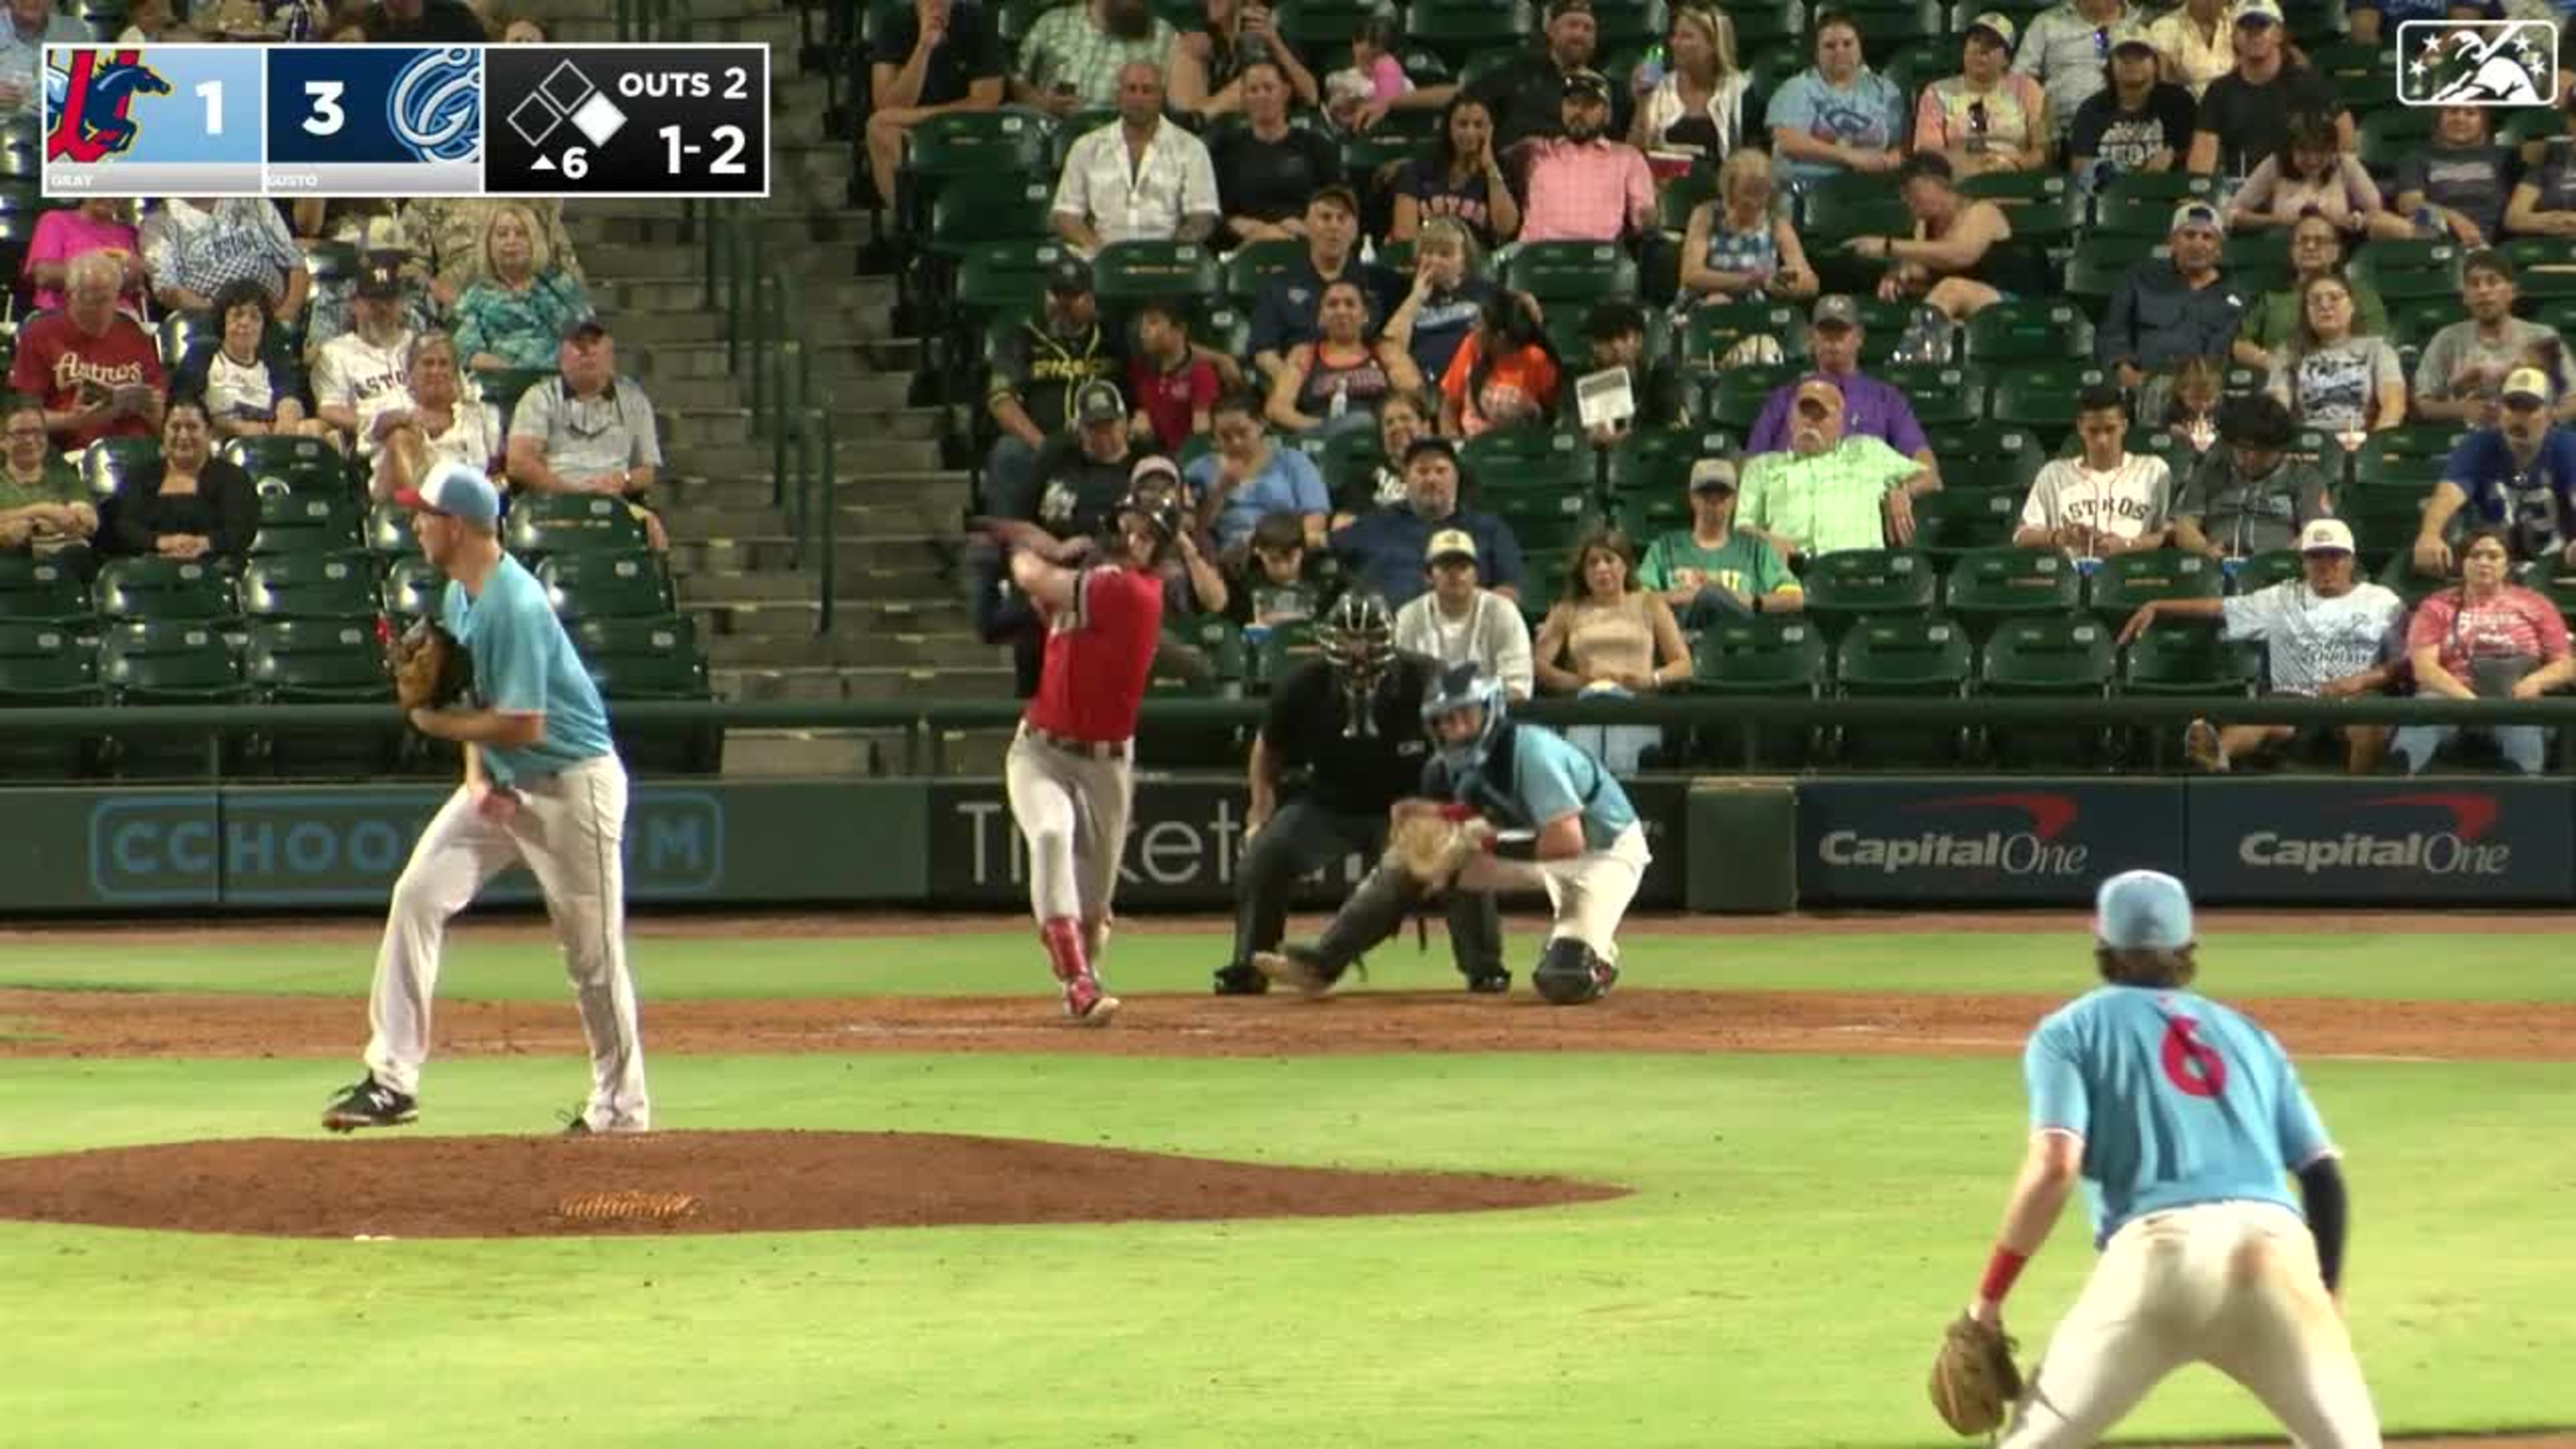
pixel 2107 499
pixel 2330 637
pixel 1458 621
pixel 1144 179
pixel 358 380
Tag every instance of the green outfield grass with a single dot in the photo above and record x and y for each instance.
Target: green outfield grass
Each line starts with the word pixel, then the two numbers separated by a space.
pixel 1147 957
pixel 1799 1229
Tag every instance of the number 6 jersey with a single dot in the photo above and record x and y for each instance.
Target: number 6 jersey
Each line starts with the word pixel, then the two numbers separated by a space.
pixel 2178 1100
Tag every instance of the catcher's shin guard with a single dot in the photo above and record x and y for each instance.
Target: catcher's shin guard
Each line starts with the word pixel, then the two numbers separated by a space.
pixel 1374 912
pixel 1569 973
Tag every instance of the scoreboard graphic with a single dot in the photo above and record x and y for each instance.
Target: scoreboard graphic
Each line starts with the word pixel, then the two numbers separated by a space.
pixel 401 121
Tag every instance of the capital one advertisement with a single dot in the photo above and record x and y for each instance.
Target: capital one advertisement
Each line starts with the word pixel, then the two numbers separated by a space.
pixel 2392 841
pixel 1938 842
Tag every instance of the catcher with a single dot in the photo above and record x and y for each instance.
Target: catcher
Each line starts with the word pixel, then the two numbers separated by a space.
pixel 1343 735
pixel 543 788
pixel 2182 1117
pixel 1505 807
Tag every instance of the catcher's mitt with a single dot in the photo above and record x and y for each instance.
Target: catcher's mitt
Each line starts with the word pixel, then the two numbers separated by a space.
pixel 1428 849
pixel 431 670
pixel 1974 1383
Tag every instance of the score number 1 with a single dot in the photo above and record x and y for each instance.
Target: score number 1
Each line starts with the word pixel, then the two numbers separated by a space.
pixel 327 117
pixel 727 163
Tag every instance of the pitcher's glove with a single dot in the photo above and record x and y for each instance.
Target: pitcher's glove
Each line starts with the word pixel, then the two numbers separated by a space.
pixel 1428 849
pixel 1974 1383
pixel 431 670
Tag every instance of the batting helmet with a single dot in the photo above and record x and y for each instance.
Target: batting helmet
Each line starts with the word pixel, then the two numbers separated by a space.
pixel 1160 510
pixel 1462 687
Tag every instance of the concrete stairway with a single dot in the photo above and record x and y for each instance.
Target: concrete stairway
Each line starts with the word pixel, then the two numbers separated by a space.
pixel 900 627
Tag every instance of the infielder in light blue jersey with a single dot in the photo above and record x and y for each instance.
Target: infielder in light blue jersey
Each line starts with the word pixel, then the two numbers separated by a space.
pixel 2184 1120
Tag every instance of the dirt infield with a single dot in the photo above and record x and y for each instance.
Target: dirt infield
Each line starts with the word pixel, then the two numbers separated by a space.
pixel 702 1182
pixel 94 1024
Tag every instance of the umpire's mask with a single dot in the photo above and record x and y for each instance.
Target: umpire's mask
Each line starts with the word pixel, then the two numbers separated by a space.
pixel 1358 641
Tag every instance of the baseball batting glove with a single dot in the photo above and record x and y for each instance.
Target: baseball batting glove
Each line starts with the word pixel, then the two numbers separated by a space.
pixel 1974 1383
pixel 431 670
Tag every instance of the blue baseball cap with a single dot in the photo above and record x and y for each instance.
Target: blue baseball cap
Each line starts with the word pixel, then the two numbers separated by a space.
pixel 2142 910
pixel 458 490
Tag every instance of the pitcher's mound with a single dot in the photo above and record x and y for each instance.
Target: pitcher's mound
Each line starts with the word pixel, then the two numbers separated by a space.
pixel 701 1182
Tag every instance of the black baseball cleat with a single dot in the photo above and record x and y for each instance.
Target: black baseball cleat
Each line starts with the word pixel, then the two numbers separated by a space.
pixel 1241 979
pixel 1490 983
pixel 370 1103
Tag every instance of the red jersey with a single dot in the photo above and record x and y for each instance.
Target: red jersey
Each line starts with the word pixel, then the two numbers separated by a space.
pixel 68 370
pixel 1172 399
pixel 1098 656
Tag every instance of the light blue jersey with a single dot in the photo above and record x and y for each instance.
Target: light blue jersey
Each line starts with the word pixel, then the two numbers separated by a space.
pixel 1534 775
pixel 524 664
pixel 2179 1100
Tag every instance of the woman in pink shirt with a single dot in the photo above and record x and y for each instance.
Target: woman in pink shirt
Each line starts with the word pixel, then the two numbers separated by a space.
pixel 96 225
pixel 2486 639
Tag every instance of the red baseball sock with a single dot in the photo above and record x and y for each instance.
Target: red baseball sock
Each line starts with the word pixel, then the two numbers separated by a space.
pixel 1062 937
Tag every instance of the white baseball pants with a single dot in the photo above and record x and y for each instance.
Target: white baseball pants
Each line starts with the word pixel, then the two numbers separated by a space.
pixel 1589 892
pixel 1072 809
pixel 570 832
pixel 2233 1285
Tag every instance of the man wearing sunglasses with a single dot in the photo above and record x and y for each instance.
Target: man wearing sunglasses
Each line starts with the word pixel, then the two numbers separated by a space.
pixel 2065 48
pixel 588 430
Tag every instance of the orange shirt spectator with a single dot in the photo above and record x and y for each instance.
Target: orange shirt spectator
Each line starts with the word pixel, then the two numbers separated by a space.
pixel 1516 386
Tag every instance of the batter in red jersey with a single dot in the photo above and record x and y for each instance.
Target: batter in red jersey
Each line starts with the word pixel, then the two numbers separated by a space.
pixel 1071 770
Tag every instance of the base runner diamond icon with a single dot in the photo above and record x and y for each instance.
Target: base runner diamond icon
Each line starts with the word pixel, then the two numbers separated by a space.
pixel 598 118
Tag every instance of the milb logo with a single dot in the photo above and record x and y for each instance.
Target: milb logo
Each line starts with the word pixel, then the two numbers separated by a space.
pixel 2457 851
pixel 2032 851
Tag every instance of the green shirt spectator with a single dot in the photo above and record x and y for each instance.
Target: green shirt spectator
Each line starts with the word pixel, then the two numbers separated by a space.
pixel 1708 571
pixel 1829 492
pixel 43 506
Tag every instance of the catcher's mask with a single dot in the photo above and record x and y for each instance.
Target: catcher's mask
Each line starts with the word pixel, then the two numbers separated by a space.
pixel 1458 688
pixel 1358 640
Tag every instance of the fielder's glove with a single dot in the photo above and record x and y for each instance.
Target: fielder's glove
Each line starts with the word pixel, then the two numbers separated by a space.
pixel 431 670
pixel 1974 1383
pixel 1428 849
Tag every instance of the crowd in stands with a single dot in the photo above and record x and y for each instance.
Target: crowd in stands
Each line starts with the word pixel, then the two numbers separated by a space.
pixel 2201 252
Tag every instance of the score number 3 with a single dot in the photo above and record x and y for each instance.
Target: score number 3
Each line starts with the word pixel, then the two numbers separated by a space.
pixel 2192 1065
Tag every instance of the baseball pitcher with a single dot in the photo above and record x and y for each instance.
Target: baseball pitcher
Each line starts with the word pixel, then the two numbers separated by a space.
pixel 1343 736
pixel 1070 772
pixel 2183 1118
pixel 1505 807
pixel 543 788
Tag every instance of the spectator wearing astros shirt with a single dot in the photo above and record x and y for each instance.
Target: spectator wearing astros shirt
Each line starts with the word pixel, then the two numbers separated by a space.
pixel 1584 186
pixel 98 374
pixel 2107 500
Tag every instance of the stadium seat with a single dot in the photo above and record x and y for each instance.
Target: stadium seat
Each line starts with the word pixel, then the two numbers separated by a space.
pixel 1126 273
pixel 1989 456
pixel 1257 262
pixel 389 532
pixel 1734 397
pixel 109 461
pixel 1712 332
pixel 2095 274
pixel 2384 523
pixel 1761 655
pixel 1460 29
pixel 2403 271
pixel 40 591
pixel 2526 124
pixel 163 588
pixel 2386 136
pixel 1572 275
pixel 179 330
pixel 2187 657
pixel 2122 582
pixel 309 586
pixel 2029 330
pixel 304 465
pixel 1941 396
pixel 968 143
pixel 1991 585
pixel 1278 654
pixel 541 524
pixel 2043 401
pixel 652 659
pixel 1867 583
pixel 144 662
pixel 1887 26
pixel 322 661
pixel 1957 521
pixel 44 664
pixel 2147 217
pixel 2260 571
pixel 412 589
pixel 502 389
pixel 1655 463
pixel 975 210
pixel 2397 465
pixel 2064 655
pixel 583 586
pixel 2042 207
pixel 1318 27
pixel 305 523
pixel 2552 582
pixel 1925 655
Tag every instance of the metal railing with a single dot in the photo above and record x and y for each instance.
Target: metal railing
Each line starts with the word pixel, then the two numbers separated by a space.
pixel 765 320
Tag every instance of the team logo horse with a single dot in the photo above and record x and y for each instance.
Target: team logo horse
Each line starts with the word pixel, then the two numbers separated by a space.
pixel 95 120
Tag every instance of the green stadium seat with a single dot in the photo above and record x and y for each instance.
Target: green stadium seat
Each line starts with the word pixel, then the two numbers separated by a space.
pixel 41 591
pixel 109 461
pixel 2527 124
pixel 1001 279
pixel 1278 654
pixel 1126 273
pixel 330 261
pixel 1924 655
pixel 2042 207
pixel 145 662
pixel 388 532
pixel 502 389
pixel 163 588
pixel 304 465
pixel 2065 655
pixel 2387 135
pixel 1994 584
pixel 1257 262
pixel 973 211
pixel 2095 274
pixel 2384 523
pixel 1989 456
pixel 322 661
pixel 582 586
pixel 2043 401
pixel 2260 571
pixel 2029 330
pixel 310 586
pixel 1655 463
pixel 305 523
pixel 1319 27
pixel 1734 398
pixel 1460 29
pixel 2396 466
pixel 1955 522
pixel 1712 332
pixel 541 524
pixel 2352 57
pixel 2552 582
pixel 44 664
pixel 2122 582
pixel 2147 217
pixel 412 589
pixel 1943 395
pixel 970 143
pixel 2188 657
pixel 1759 655
pixel 1867 583
pixel 1887 26
pixel 2403 271
pixel 1571 274
pixel 658 659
